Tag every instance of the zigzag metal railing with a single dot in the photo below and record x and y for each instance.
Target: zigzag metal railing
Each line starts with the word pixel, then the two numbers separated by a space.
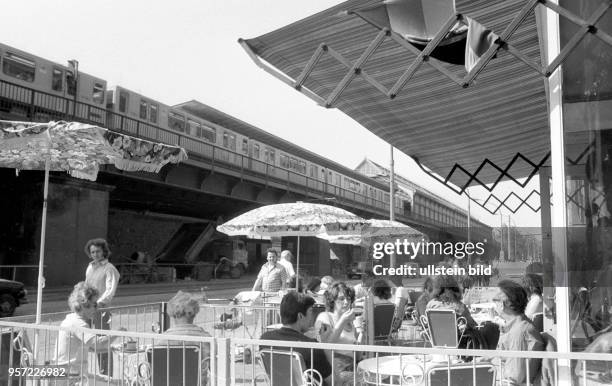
pixel 503 173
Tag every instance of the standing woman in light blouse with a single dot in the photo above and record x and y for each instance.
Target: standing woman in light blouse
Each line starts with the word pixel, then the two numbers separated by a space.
pixel 104 277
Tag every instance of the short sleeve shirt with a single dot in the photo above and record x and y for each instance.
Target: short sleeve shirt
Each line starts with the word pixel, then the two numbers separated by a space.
pixel 272 277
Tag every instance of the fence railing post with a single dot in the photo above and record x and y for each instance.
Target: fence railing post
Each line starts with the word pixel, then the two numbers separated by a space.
pixel 224 359
pixel 163 316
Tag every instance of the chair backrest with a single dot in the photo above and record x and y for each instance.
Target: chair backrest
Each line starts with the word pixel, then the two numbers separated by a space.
pixel 383 320
pixel 284 368
pixel 481 374
pixel 13 353
pixel 442 325
pixel 538 321
pixel 175 365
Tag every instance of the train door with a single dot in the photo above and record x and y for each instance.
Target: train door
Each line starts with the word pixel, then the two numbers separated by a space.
pixel 245 157
pixel 257 165
pixel 91 91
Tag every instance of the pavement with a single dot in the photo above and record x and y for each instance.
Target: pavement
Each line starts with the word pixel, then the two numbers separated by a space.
pixel 62 292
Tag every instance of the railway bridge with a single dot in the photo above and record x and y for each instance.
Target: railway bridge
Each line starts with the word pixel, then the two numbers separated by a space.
pixel 177 207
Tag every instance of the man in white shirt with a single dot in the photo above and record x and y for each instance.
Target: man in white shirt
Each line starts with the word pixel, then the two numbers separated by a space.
pixel 104 277
pixel 285 261
pixel 272 277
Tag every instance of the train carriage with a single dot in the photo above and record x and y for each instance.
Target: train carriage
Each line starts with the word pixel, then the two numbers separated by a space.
pixel 57 87
pixel 51 88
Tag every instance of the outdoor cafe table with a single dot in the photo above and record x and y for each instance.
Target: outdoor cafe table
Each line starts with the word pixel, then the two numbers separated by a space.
pixel 392 370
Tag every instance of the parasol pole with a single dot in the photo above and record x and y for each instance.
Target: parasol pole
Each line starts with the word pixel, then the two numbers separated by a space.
pixel 297 265
pixel 41 258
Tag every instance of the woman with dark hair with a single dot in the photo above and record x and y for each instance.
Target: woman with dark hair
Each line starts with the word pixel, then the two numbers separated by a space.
pixel 519 333
pixel 447 295
pixel 337 324
pixel 313 286
pixel 381 292
pixel 425 297
pixel 532 283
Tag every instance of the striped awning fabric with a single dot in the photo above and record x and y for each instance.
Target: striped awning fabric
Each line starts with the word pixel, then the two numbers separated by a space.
pixel 497 128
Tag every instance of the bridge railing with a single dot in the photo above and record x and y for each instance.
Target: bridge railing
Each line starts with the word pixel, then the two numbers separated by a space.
pixel 29 104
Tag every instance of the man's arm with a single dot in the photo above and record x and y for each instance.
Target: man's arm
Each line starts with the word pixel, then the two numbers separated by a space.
pixel 258 281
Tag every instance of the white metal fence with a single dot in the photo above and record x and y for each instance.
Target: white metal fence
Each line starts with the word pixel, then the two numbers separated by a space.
pixel 136 358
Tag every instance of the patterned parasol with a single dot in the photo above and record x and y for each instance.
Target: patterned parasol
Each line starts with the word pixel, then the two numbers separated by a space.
pixel 78 149
pixel 293 219
pixel 376 229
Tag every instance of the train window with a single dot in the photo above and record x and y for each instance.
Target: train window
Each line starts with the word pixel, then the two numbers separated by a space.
pixel 284 161
pixel 313 171
pixel 270 155
pixel 71 83
pixel 153 112
pixel 256 151
pixel 338 182
pixel 143 109
pixel 195 128
pixel 176 121
pixel 97 94
pixel 19 67
pixel 302 167
pixel 245 146
pixel 229 141
pixel 209 134
pixel 57 80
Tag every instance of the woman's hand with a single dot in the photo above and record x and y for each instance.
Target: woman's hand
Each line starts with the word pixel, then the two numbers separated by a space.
pixel 347 317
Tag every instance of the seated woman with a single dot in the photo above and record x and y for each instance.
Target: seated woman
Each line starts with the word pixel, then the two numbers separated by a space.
pixel 532 283
pixel 313 287
pixel 183 308
pixel 381 292
pixel 326 283
pixel 519 334
pixel 425 297
pixel 73 346
pixel 446 295
pixel 337 324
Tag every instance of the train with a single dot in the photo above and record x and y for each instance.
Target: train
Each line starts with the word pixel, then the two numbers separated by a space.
pixel 44 90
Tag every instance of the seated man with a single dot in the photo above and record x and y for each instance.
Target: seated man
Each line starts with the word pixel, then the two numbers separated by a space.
pixel 519 333
pixel 297 318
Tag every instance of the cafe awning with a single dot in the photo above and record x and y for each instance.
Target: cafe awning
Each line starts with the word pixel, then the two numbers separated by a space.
pixel 476 121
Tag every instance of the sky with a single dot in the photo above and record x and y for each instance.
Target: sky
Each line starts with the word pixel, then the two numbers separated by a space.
pixel 187 49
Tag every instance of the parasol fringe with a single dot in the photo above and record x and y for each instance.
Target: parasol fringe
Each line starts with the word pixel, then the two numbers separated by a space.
pixel 83 175
pixel 135 166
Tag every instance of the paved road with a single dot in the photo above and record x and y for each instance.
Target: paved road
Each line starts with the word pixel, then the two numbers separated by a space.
pixel 54 300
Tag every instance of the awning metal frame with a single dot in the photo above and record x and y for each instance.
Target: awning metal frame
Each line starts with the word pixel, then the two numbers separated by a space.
pixel 356 68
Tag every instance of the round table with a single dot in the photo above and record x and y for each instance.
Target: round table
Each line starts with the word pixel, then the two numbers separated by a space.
pixel 392 370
